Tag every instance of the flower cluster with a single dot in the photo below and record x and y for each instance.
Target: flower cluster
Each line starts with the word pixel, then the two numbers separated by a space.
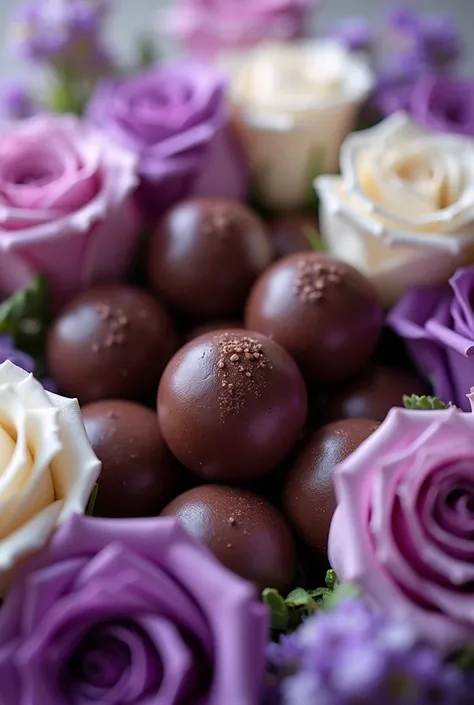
pixel 355 654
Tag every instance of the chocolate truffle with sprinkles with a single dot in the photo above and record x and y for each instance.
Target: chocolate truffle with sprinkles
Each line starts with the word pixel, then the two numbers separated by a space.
pixel 111 342
pixel 231 405
pixel 324 312
pixel 246 533
pixel 205 255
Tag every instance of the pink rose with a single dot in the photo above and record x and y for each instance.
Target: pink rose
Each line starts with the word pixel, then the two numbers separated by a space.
pixel 403 529
pixel 66 207
pixel 205 28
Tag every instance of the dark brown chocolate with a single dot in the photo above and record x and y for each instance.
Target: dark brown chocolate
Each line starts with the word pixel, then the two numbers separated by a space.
pixel 323 311
pixel 111 342
pixel 372 394
pixel 231 405
pixel 308 494
pixel 138 474
pixel 205 255
pixel 291 233
pixel 246 533
pixel 210 327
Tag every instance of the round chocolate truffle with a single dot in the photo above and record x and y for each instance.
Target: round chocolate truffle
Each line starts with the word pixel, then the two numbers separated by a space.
pixel 292 233
pixel 371 395
pixel 308 494
pixel 246 533
pixel 324 312
pixel 138 471
pixel 110 342
pixel 231 405
pixel 205 255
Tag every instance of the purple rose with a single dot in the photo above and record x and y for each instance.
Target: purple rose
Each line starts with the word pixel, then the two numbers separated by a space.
pixel 174 117
pixel 444 104
pixel 132 612
pixel 438 326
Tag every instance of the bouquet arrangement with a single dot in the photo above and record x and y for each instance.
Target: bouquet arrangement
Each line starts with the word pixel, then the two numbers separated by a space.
pixel 236 387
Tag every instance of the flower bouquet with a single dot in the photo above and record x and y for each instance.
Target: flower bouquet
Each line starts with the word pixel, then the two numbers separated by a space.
pixel 236 387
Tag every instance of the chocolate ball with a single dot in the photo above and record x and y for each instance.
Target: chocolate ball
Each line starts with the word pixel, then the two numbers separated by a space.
pixel 324 312
pixel 231 405
pixel 371 395
pixel 308 494
pixel 205 255
pixel 247 534
pixel 210 327
pixel 290 233
pixel 138 471
pixel 110 342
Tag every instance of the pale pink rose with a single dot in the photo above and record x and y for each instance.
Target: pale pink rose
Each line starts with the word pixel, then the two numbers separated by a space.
pixel 66 207
pixel 403 529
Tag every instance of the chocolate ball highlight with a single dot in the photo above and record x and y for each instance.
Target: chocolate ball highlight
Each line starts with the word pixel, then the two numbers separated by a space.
pixel 246 533
pixel 323 311
pixel 309 499
pixel 138 471
pixel 231 405
pixel 205 255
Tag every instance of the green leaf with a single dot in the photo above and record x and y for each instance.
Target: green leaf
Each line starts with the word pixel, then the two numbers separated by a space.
pixel 331 580
pixel 314 239
pixel 343 591
pixel 66 95
pixel 465 660
pixel 25 315
pixel 423 403
pixel 278 609
pixel 92 500
pixel 315 168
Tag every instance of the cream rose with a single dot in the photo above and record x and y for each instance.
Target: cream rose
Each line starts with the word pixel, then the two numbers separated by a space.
pixel 47 466
pixel 293 105
pixel 403 209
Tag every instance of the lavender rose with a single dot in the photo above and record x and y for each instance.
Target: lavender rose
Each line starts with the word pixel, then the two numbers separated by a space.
pixel 403 527
pixel 174 117
pixel 66 207
pixel 438 326
pixel 205 28
pixel 132 612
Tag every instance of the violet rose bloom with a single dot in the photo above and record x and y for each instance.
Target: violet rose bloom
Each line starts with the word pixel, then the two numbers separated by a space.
pixel 444 104
pixel 354 654
pixel 438 327
pixel 174 118
pixel 130 611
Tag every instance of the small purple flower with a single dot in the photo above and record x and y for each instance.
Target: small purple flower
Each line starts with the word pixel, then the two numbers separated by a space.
pixel 355 33
pixel 64 32
pixel 353 654
pixel 17 103
pixel 19 358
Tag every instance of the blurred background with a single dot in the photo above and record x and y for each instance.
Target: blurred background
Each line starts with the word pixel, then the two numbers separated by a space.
pixel 132 15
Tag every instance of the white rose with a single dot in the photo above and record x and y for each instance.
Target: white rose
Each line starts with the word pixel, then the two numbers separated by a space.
pixel 47 466
pixel 293 105
pixel 403 209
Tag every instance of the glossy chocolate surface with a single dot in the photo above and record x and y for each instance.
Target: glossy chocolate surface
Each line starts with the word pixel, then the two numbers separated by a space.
pixel 246 533
pixel 324 312
pixel 372 394
pixel 308 494
pixel 111 342
pixel 138 471
pixel 205 255
pixel 231 405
